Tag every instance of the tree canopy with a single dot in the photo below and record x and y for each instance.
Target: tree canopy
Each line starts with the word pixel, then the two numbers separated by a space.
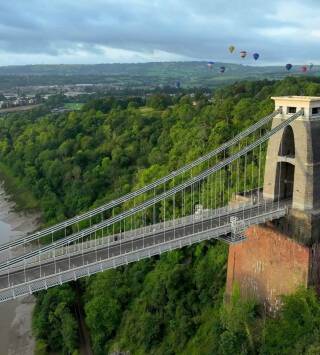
pixel 171 304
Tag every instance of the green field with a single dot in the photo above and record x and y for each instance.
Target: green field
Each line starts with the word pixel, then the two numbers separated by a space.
pixel 145 111
pixel 76 106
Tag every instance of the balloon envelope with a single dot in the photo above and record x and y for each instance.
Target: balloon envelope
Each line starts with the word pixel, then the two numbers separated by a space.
pixel 243 54
pixel 231 49
pixel 210 64
pixel 178 84
pixel 288 66
pixel 304 68
pixel 311 66
pixel 222 69
pixel 256 56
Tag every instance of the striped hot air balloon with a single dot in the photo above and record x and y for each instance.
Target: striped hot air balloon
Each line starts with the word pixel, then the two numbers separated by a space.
pixel 243 54
pixel 304 69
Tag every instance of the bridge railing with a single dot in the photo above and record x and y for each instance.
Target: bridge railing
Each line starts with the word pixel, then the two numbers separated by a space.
pixel 35 282
pixel 129 235
pixel 223 216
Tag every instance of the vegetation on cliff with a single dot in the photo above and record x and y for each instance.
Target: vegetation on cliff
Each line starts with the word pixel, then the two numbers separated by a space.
pixel 171 304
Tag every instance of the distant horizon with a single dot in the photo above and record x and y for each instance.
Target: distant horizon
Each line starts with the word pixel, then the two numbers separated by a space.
pixel 158 62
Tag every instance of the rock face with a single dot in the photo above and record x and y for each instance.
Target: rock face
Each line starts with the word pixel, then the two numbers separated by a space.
pixel 268 264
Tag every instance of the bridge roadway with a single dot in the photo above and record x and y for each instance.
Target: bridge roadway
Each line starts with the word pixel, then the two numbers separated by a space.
pixel 31 278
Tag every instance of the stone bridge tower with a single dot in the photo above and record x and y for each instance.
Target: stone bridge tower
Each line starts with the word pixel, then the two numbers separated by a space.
pixel 278 257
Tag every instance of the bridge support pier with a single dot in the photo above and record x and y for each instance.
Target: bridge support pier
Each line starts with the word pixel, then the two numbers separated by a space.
pixel 282 255
pixel 269 264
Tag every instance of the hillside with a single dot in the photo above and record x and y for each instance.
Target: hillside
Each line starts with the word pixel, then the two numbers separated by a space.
pixel 141 75
pixel 171 304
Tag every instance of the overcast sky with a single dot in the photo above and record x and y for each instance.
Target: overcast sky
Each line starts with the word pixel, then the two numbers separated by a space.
pixel 107 31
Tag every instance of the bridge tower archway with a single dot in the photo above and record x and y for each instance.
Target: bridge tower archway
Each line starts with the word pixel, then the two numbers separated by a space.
pixel 287 146
pixel 285 179
pixel 296 149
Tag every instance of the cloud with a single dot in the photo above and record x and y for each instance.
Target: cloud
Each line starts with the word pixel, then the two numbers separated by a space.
pixel 82 31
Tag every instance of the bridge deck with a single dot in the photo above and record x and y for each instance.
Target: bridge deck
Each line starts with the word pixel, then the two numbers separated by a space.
pixel 25 279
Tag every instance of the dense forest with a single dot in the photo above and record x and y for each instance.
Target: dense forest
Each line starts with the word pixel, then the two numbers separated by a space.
pixel 173 304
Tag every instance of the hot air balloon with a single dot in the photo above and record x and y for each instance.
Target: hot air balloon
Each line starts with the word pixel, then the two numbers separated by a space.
pixel 289 66
pixel 210 64
pixel 304 69
pixel 256 56
pixel 177 84
pixel 311 66
pixel 243 54
pixel 222 69
pixel 231 49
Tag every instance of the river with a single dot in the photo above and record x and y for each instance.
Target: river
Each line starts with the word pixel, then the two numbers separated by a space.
pixel 15 316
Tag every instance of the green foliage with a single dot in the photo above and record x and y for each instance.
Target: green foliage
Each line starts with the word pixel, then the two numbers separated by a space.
pixel 159 101
pixel 167 305
pixel 167 312
pixel 239 320
pixel 73 161
pixel 296 330
pixel 18 189
pixel 76 106
pixel 41 347
pixel 54 321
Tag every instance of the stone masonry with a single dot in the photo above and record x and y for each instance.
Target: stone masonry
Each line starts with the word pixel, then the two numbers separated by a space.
pixel 278 257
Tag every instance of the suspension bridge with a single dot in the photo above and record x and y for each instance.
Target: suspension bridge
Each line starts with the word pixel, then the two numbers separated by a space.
pixel 217 196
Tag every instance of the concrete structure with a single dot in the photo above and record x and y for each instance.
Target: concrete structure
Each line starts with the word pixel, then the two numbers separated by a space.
pixel 293 155
pixel 293 166
pixel 284 254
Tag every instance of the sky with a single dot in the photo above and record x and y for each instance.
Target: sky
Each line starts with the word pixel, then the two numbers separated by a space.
pixel 123 31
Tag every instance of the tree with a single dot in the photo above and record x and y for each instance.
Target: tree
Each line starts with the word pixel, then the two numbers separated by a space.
pixel 169 305
pixel 296 329
pixel 54 311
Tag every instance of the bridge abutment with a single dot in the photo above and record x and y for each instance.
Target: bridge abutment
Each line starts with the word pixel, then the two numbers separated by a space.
pixel 267 265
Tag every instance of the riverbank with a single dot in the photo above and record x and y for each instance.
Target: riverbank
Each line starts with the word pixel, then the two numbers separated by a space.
pixel 16 316
pixel 21 197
